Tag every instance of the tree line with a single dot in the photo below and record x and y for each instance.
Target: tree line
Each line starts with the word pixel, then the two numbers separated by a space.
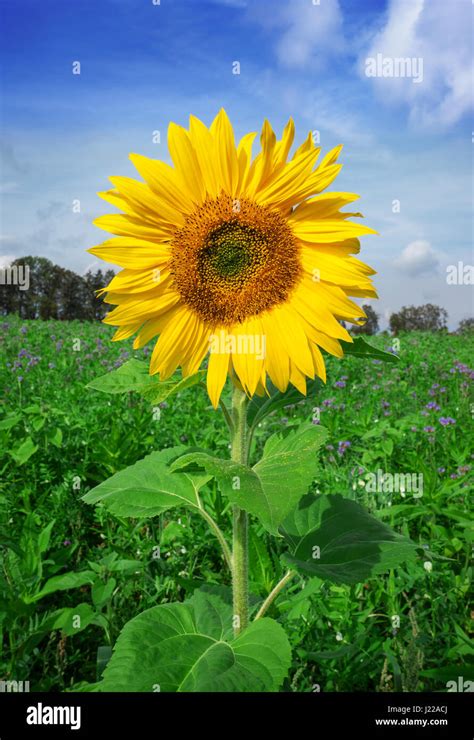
pixel 56 293
pixel 47 291
pixel 412 318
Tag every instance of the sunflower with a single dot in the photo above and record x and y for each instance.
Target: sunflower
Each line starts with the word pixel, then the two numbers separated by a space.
pixel 237 258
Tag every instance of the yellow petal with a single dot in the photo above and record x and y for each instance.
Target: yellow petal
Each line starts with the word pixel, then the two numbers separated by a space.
pixel 168 351
pixel 216 375
pixel 277 361
pixel 123 225
pixel 165 182
pixel 137 281
pixel 226 153
pixel 124 332
pixel 249 358
pixel 132 253
pixel 284 145
pixel 130 310
pixel 327 230
pixel 184 157
pixel 146 203
pixel 244 156
pixel 205 148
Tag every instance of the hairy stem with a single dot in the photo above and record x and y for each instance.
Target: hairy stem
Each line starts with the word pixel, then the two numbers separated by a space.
pixel 274 593
pixel 240 564
pixel 218 532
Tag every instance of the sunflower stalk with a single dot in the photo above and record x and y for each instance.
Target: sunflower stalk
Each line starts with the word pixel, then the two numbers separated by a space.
pixel 240 559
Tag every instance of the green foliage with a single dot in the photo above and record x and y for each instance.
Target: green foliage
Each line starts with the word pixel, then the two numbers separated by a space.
pixel 337 540
pixel 134 375
pixel 147 488
pixel 341 635
pixel 419 318
pixel 371 322
pixel 361 348
pixel 189 647
pixel 274 485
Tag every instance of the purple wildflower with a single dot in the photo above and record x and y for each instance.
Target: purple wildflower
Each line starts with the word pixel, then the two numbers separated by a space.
pixel 342 447
pixel 328 402
pixel 445 421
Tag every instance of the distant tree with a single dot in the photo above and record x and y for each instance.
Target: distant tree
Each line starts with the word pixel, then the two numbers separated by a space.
pixel 38 297
pixel 419 318
pixel 466 326
pixel 53 292
pixel 95 281
pixel 371 324
pixel 72 296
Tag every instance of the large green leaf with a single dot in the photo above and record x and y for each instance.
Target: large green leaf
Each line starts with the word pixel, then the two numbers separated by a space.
pixel 63 583
pixel 24 451
pixel 134 375
pixel 361 348
pixel 272 488
pixel 147 488
pixel 189 648
pixel 337 540
pixel 260 406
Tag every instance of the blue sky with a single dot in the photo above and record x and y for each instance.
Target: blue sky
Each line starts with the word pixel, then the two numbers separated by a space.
pixel 406 138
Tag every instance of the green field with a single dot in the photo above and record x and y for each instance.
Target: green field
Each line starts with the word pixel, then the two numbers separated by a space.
pixel 406 630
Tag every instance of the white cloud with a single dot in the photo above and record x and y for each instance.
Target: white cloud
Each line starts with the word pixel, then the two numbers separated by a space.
pixel 6 260
pixel 418 258
pixel 439 34
pixel 311 32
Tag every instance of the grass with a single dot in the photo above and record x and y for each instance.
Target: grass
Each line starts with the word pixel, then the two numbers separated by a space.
pixel 409 629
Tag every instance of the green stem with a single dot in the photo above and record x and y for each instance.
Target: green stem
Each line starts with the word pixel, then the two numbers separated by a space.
pixel 217 531
pixel 274 593
pixel 240 565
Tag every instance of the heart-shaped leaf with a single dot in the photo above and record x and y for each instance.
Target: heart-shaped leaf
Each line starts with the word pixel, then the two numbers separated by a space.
pixel 188 648
pixel 337 540
pixel 147 488
pixel 271 489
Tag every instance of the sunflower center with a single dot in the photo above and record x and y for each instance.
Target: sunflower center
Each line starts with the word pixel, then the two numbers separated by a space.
pixel 230 263
pixel 231 252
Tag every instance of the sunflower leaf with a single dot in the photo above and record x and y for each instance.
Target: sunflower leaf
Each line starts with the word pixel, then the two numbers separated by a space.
pixel 134 375
pixel 147 488
pixel 272 488
pixel 335 539
pixel 189 647
pixel 361 348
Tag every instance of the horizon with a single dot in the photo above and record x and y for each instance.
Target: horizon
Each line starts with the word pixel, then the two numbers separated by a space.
pixel 407 136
